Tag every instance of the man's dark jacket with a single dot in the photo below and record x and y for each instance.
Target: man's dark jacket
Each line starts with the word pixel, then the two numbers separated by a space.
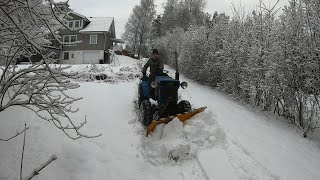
pixel 156 66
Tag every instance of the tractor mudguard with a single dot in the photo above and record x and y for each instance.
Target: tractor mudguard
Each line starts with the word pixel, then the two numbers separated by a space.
pixel 145 87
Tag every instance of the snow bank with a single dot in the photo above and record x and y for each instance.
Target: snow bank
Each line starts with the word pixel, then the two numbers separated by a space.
pixel 106 73
pixel 123 69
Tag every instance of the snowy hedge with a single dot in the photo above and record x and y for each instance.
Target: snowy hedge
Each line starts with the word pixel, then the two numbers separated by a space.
pixel 271 62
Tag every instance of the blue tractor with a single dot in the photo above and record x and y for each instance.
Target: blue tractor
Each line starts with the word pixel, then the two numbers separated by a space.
pixel 159 101
pixel 159 98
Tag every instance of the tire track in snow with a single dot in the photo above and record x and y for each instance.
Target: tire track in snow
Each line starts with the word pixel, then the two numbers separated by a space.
pixel 245 165
pixel 205 174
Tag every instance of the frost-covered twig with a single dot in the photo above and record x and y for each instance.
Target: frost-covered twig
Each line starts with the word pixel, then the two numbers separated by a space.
pixel 17 134
pixel 37 170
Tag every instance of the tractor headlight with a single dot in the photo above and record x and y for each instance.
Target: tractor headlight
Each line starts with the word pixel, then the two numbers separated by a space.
pixel 184 85
pixel 154 84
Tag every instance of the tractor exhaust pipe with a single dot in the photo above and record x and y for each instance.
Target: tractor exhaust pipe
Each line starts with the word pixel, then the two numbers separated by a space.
pixel 177 67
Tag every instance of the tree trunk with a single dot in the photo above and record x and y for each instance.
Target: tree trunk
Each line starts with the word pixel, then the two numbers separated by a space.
pixel 301 113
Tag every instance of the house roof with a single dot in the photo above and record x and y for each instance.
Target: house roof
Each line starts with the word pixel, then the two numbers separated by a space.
pixel 77 14
pixel 98 24
pixel 61 1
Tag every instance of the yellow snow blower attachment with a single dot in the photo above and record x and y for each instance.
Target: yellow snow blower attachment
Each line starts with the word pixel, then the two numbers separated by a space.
pixel 182 117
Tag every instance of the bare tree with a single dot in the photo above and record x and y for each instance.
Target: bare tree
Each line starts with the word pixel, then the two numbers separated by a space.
pixel 131 30
pixel 40 87
pixel 183 14
pixel 138 28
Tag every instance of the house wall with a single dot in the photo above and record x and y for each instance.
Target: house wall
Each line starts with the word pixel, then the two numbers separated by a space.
pixel 93 56
pixel 77 57
pixel 103 42
pixel 112 30
pixel 83 57
pixel 108 42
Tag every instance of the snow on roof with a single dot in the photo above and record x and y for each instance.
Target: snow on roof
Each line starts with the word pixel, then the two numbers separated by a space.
pixel 77 14
pixel 61 1
pixel 98 24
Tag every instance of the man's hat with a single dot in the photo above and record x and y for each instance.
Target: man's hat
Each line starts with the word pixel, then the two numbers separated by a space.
pixel 155 51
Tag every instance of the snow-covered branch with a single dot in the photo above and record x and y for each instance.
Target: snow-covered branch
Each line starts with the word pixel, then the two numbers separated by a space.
pixel 36 171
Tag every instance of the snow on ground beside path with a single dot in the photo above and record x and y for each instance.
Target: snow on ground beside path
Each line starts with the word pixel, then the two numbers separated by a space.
pixel 125 69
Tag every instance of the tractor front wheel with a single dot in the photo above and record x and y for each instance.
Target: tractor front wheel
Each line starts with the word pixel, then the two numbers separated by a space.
pixel 146 111
pixel 184 106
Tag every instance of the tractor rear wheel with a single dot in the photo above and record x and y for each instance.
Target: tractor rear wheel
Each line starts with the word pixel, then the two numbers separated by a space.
pixel 146 111
pixel 184 106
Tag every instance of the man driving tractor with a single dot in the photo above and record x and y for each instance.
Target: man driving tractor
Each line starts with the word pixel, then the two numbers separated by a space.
pixel 163 89
pixel 155 64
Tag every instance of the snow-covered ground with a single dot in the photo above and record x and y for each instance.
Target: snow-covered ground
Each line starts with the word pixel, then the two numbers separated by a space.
pixel 227 141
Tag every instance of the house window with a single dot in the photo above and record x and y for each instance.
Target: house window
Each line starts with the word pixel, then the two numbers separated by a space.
pixel 72 55
pixel 76 24
pixel 66 55
pixel 93 39
pixel 70 24
pixel 70 39
pixel 66 39
pixel 73 38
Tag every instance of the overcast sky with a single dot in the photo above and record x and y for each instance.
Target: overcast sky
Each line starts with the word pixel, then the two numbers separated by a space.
pixel 121 9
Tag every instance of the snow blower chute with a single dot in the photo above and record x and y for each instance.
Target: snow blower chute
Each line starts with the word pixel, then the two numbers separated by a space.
pixel 166 106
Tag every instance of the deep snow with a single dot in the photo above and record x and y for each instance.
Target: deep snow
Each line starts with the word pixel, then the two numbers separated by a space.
pixel 227 141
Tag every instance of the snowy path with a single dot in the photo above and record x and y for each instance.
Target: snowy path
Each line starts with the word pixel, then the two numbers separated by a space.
pixel 114 155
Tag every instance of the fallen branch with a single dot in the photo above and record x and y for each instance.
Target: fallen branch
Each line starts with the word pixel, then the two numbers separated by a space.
pixel 37 170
